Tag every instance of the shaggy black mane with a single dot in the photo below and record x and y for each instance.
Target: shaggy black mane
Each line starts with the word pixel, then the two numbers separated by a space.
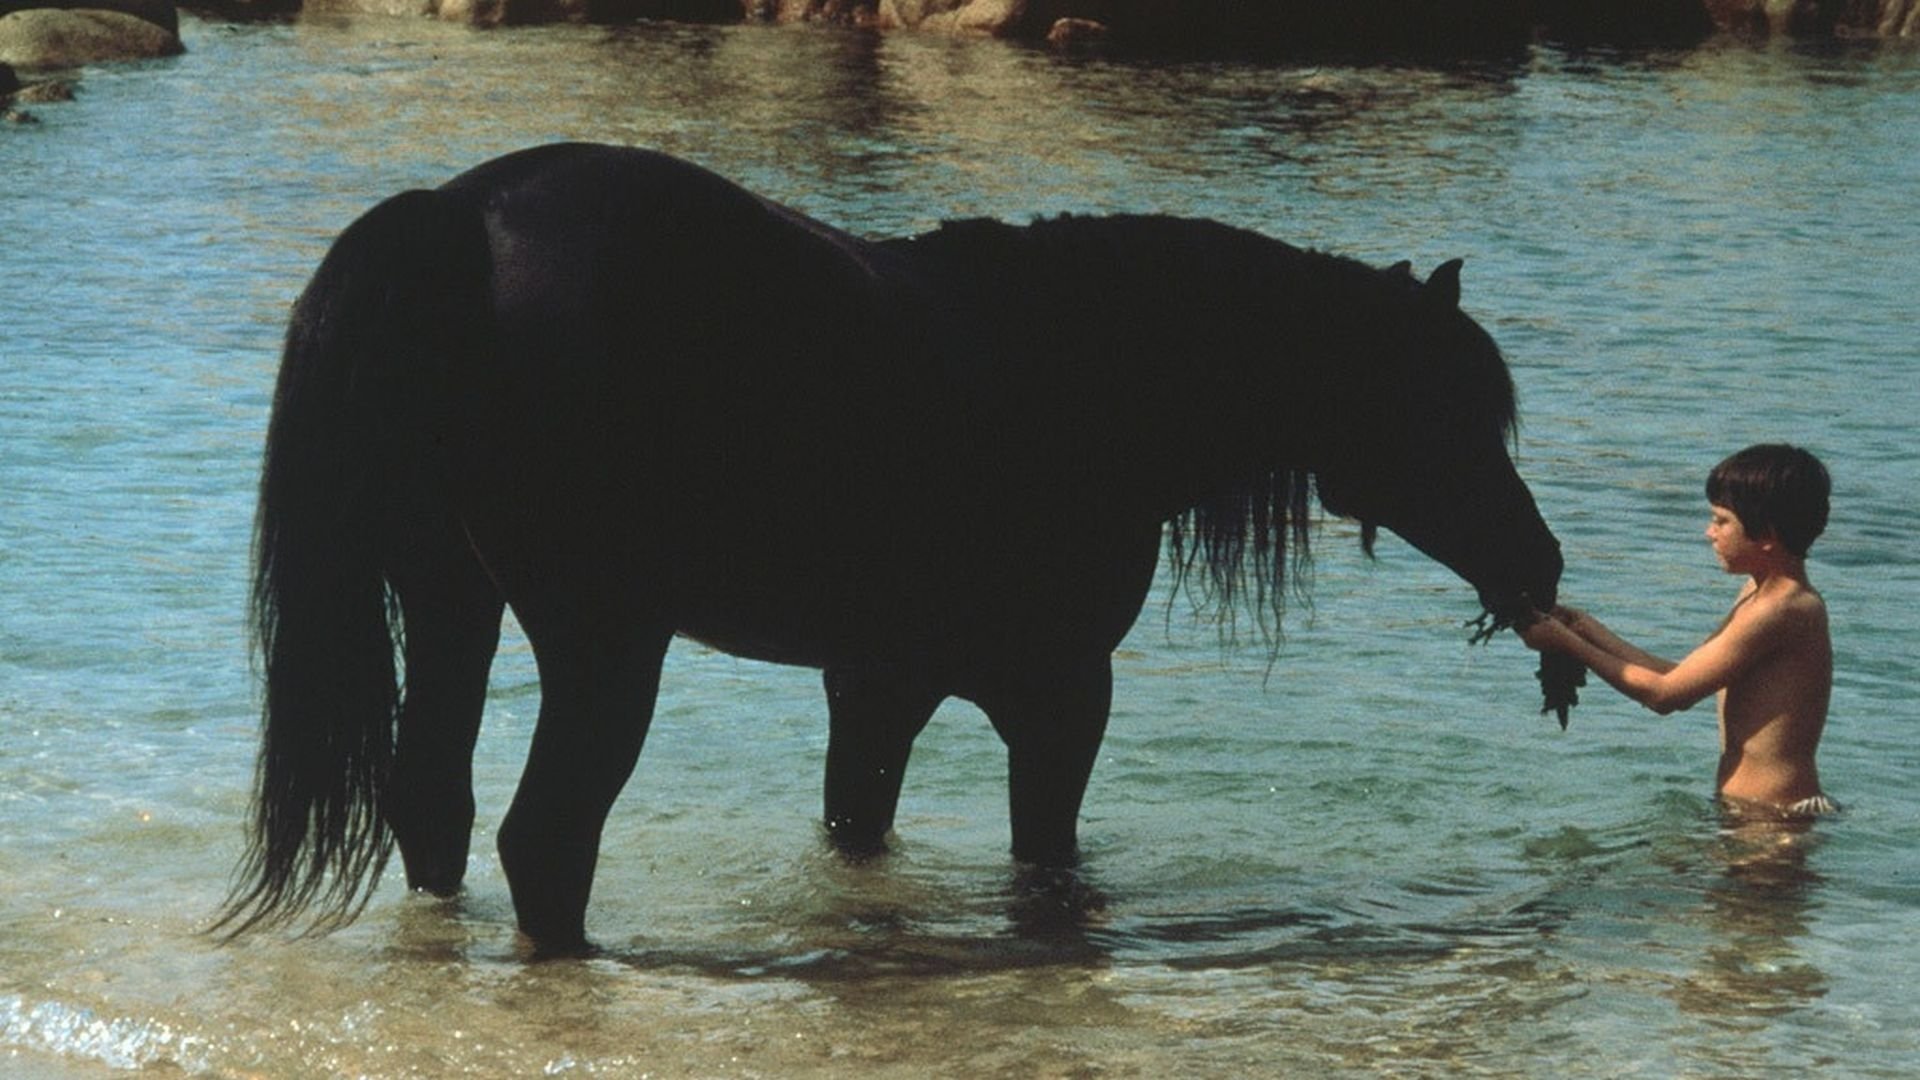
pixel 1246 547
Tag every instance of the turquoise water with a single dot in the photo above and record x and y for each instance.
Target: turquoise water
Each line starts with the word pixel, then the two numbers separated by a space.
pixel 1370 858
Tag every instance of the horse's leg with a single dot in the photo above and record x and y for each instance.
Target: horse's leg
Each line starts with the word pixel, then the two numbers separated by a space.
pixel 597 689
pixel 873 716
pixel 1052 718
pixel 451 612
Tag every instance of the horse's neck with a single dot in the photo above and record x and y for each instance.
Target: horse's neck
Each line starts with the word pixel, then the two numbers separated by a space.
pixel 1211 395
pixel 1209 353
pixel 1170 359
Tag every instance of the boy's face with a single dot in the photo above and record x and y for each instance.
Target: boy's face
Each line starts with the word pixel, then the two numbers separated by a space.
pixel 1738 552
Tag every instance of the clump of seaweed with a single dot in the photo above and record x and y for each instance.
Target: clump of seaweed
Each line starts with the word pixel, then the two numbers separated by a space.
pixel 1560 675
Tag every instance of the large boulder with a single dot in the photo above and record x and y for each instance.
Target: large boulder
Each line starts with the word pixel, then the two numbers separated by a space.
pixel 41 38
pixel 161 13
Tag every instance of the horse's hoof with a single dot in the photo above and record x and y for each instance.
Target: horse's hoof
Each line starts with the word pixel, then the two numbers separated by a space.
pixel 856 848
pixel 541 950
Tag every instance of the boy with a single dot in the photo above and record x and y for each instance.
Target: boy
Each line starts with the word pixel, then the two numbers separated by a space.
pixel 1771 660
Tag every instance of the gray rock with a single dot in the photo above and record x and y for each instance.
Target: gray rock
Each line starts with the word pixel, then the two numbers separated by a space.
pixel 161 13
pixel 43 93
pixel 54 38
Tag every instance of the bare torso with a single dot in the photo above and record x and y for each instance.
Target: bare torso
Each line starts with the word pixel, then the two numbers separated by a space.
pixel 1772 713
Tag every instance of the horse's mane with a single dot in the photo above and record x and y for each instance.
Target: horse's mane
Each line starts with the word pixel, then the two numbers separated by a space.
pixel 1247 546
pixel 1243 539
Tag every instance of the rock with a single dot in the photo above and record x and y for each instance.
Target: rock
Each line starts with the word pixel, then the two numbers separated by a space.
pixel 496 12
pixel 1898 18
pixel 13 92
pixel 56 38
pixel 1076 33
pixel 528 12
pixel 1817 18
pixel 1773 16
pixel 43 93
pixel 413 8
pixel 1238 26
pixel 161 13
pixel 1000 18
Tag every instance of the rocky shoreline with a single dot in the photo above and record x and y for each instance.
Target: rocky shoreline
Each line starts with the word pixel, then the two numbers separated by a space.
pixel 56 35
pixel 1269 26
pixel 1354 26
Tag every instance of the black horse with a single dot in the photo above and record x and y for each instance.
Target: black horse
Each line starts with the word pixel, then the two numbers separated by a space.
pixel 632 400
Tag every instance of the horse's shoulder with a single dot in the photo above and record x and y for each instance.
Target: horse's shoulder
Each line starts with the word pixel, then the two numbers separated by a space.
pixel 601 176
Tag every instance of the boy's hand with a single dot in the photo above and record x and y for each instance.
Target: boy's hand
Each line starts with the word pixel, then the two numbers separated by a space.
pixel 1561 675
pixel 1549 634
pixel 1568 614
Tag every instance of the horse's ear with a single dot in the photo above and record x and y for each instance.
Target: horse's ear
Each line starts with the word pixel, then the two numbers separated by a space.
pixel 1444 282
pixel 1403 268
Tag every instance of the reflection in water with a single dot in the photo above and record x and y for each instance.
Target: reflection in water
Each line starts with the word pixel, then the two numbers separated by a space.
pixel 1702 908
pixel 1757 907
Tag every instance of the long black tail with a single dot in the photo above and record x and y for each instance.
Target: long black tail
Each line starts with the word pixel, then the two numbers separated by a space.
pixel 394 304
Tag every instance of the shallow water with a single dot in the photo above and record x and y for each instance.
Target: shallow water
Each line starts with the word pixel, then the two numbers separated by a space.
pixel 1371 858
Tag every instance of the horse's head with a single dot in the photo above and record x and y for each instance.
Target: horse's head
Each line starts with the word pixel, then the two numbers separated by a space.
pixel 1429 420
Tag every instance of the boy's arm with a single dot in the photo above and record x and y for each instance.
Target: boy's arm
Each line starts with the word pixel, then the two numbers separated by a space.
pixel 1749 633
pixel 1600 635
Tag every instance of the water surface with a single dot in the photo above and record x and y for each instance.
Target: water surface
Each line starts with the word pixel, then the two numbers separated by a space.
pixel 1369 857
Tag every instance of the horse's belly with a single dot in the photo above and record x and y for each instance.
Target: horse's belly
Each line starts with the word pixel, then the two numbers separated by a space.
pixel 767 649
pixel 841 631
pixel 796 603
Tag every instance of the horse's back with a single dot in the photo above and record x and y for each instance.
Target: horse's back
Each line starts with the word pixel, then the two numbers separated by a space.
pixel 629 280
pixel 649 247
pixel 693 393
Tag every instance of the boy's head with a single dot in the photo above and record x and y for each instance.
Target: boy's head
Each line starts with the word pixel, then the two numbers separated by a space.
pixel 1774 489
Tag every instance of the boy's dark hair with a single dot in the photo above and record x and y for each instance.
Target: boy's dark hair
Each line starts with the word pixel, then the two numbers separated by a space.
pixel 1774 488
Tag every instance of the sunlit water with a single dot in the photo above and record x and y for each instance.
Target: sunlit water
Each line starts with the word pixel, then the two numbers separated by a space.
pixel 1372 857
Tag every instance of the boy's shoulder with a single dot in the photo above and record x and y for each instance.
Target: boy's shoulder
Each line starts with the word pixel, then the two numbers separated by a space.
pixel 1788 606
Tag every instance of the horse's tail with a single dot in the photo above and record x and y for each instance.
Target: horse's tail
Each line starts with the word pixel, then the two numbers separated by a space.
pixel 397 299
